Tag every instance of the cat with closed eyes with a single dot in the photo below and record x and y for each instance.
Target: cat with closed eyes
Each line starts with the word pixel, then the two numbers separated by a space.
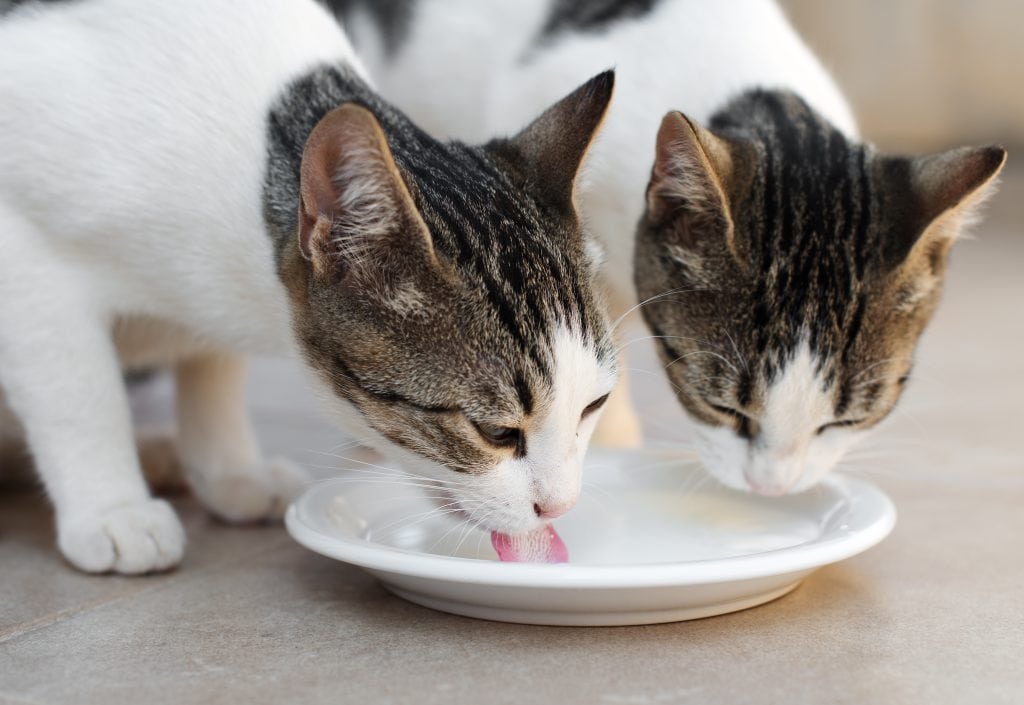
pixel 785 267
pixel 182 184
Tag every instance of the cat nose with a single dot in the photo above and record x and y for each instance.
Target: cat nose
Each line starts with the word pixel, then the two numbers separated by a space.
pixel 552 510
pixel 767 489
pixel 772 484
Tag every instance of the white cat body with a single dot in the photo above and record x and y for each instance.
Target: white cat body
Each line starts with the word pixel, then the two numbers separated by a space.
pixel 132 157
pixel 472 70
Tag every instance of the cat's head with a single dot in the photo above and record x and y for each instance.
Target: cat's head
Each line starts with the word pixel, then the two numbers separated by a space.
pixel 788 273
pixel 445 295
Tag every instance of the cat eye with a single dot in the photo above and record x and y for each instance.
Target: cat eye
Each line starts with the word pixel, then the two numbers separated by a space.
pixel 839 424
pixel 745 425
pixel 499 436
pixel 729 411
pixel 593 406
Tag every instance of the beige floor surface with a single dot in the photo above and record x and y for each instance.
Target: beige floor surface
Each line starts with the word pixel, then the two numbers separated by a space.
pixel 933 615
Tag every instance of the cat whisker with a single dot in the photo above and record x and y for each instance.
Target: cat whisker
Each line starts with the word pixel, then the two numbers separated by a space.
pixel 694 483
pixel 412 521
pixel 642 338
pixel 879 363
pixel 411 476
pixel 471 526
pixel 704 352
pixel 451 482
pixel 465 519
pixel 385 481
pixel 739 356
pixel 345 445
pixel 656 374
pixel 666 444
pixel 920 427
pixel 618 321
pixel 593 487
pixel 454 507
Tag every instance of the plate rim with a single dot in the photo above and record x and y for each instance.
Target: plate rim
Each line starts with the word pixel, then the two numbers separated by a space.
pixel 873 527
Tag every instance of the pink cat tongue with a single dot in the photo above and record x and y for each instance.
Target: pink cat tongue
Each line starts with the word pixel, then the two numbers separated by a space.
pixel 541 546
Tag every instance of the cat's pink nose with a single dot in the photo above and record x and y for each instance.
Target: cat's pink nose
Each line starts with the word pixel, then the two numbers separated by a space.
pixel 777 481
pixel 768 489
pixel 552 510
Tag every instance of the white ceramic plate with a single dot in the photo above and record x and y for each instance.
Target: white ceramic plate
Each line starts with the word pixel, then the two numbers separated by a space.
pixel 653 539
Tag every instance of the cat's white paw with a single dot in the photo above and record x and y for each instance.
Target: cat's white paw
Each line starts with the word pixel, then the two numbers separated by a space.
pixel 254 494
pixel 131 539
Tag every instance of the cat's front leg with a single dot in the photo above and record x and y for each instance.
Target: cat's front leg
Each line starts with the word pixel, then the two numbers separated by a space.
pixel 218 449
pixel 61 377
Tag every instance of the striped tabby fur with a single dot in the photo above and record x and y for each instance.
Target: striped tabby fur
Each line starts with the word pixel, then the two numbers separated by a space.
pixel 789 271
pixel 466 300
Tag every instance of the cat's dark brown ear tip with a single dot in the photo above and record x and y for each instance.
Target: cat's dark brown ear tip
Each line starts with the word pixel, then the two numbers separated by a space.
pixel 603 84
pixel 979 165
pixel 968 170
pixel 553 146
pixel 590 101
pixel 995 158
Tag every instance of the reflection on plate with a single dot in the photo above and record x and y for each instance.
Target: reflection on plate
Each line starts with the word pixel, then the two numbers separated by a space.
pixel 653 539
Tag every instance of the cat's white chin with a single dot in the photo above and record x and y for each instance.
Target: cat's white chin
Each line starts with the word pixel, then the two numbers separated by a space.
pixel 507 498
pixel 744 465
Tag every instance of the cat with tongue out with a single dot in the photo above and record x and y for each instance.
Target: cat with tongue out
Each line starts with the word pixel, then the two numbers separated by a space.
pixel 173 193
pixel 542 545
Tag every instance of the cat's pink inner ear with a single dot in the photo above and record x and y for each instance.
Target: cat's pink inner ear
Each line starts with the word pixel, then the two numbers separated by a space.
pixel 690 182
pixel 691 165
pixel 351 192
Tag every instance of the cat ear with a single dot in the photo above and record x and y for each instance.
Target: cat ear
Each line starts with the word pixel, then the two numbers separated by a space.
pixel 554 145
pixel 354 206
pixel 929 199
pixel 689 181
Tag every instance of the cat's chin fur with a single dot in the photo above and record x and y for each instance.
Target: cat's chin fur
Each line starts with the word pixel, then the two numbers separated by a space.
pixel 788 454
pixel 732 461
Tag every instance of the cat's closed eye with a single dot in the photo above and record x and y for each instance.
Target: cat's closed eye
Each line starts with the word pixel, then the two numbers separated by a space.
pixel 593 406
pixel 746 426
pixel 509 437
pixel 839 424
pixel 729 411
pixel 499 436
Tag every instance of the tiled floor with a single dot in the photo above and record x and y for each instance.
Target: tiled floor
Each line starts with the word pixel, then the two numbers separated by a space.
pixel 933 615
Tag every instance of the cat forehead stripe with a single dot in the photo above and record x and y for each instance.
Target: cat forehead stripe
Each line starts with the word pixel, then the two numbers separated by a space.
pixel 808 220
pixel 502 243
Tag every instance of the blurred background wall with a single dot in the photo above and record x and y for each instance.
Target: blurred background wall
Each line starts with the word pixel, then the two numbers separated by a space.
pixel 923 74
